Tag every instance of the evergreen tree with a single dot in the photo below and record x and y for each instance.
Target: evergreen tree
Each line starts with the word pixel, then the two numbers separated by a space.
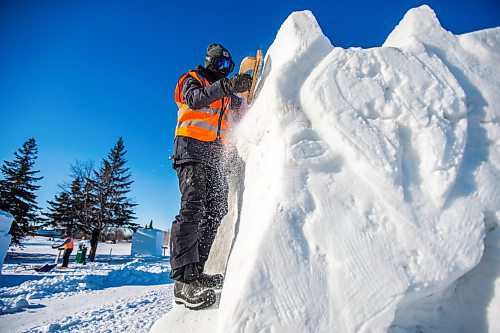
pixel 112 184
pixel 17 191
pixel 61 213
pixel 73 209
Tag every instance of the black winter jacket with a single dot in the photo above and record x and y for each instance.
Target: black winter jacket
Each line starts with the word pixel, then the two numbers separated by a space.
pixel 187 149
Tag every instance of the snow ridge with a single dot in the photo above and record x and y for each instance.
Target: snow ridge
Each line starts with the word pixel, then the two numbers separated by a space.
pixel 371 181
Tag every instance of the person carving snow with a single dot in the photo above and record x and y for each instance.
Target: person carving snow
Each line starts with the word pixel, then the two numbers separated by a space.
pixel 205 97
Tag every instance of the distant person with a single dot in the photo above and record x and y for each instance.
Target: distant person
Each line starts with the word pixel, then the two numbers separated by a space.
pixel 82 251
pixel 67 246
pixel 206 100
pixel 94 240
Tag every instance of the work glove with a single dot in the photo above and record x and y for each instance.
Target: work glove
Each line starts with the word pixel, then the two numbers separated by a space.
pixel 239 83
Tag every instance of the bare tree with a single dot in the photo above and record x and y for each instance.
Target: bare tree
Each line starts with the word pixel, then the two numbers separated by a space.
pixel 83 195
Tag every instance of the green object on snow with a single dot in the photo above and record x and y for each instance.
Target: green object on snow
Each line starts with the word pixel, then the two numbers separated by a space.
pixel 80 255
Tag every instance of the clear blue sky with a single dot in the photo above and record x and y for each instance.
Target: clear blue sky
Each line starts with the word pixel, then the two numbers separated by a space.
pixel 77 75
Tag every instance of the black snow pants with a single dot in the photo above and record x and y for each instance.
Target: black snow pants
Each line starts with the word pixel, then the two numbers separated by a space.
pixel 204 194
pixel 66 255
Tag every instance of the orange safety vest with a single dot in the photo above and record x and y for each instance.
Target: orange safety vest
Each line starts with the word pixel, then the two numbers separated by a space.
pixel 69 245
pixel 205 123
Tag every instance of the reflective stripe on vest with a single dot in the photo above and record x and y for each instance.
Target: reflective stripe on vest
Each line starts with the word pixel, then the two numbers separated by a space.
pixel 203 123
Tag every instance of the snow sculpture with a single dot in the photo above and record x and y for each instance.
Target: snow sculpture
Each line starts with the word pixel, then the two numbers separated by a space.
pixel 147 242
pixel 5 223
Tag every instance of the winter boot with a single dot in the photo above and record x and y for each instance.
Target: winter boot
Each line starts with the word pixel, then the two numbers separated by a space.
pixel 193 295
pixel 211 281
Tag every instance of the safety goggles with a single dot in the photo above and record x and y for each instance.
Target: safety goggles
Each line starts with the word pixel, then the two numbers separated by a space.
pixel 224 64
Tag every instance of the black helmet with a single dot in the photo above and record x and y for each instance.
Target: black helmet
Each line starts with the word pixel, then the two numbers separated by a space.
pixel 219 60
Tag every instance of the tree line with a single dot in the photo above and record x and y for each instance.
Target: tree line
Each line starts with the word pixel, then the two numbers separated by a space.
pixel 94 201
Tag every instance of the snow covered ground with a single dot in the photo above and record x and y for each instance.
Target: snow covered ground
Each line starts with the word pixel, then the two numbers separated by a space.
pixel 370 196
pixel 116 293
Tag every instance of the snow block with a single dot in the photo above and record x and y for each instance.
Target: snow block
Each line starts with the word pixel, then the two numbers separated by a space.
pixel 370 183
pixel 147 242
pixel 5 223
pixel 361 217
